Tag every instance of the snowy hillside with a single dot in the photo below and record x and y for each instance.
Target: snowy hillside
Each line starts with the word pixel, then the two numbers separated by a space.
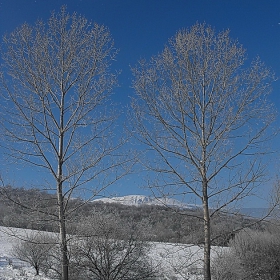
pixel 137 200
pixel 176 262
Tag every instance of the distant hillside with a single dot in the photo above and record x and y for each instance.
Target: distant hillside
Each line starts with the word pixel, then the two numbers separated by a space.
pixel 142 200
pixel 177 223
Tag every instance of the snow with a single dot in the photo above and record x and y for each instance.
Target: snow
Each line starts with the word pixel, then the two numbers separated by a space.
pixel 175 261
pixel 10 267
pixel 181 261
pixel 137 200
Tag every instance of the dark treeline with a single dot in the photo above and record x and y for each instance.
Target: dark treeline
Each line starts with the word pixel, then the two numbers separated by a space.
pixel 36 209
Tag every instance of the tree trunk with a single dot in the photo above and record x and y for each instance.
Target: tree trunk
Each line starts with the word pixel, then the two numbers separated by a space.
pixel 60 198
pixel 62 233
pixel 37 270
pixel 207 241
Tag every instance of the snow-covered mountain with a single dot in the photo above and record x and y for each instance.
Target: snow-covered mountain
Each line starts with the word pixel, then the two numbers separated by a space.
pixel 137 200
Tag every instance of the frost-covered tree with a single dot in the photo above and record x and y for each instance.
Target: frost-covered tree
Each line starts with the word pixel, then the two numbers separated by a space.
pixel 55 109
pixel 201 110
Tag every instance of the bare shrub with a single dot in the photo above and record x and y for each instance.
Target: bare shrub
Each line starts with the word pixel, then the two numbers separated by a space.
pixel 107 249
pixel 226 266
pixel 253 255
pixel 35 250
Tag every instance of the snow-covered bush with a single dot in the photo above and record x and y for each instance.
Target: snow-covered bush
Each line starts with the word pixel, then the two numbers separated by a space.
pixel 252 255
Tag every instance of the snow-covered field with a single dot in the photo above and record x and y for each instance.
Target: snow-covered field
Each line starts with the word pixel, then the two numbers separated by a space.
pixel 10 267
pixel 176 262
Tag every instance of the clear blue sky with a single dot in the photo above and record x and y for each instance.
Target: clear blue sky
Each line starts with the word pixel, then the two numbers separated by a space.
pixel 140 29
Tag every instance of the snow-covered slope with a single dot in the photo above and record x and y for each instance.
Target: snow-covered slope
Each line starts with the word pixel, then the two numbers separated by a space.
pixel 10 267
pixel 175 261
pixel 137 200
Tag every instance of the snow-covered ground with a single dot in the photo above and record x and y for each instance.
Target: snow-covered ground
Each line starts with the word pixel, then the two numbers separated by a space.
pixel 10 267
pixel 175 261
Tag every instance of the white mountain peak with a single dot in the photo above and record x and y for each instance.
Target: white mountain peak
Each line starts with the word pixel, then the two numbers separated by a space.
pixel 137 200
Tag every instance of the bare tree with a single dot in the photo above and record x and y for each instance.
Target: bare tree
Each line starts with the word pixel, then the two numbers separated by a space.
pixel 202 112
pixel 108 249
pixel 34 249
pixel 56 114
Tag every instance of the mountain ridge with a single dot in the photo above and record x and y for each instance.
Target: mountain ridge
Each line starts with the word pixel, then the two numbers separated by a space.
pixel 138 200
